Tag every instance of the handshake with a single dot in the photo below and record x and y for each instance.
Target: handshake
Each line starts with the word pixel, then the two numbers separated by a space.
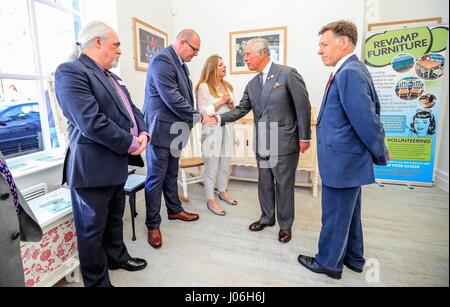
pixel 210 120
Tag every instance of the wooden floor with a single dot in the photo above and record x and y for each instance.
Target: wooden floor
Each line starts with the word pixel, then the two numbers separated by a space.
pixel 406 237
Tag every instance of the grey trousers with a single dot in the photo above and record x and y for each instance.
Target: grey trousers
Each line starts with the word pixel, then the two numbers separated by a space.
pixel 276 188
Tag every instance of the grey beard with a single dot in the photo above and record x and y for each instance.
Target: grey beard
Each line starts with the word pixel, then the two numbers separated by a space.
pixel 115 64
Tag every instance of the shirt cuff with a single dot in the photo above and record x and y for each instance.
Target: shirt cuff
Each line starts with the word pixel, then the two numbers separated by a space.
pixel 219 121
pixel 309 141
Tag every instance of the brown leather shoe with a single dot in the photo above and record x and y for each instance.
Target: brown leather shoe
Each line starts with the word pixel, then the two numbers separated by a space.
pixel 258 226
pixel 184 216
pixel 155 238
pixel 285 236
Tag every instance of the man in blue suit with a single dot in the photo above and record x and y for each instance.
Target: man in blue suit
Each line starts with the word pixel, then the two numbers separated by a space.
pixel 169 113
pixel 105 131
pixel 350 140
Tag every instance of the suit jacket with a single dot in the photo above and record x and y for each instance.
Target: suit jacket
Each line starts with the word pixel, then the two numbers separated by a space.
pixel 99 125
pixel 349 131
pixel 11 226
pixel 169 99
pixel 284 101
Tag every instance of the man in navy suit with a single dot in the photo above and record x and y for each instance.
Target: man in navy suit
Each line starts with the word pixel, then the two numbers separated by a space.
pixel 170 114
pixel 105 131
pixel 350 140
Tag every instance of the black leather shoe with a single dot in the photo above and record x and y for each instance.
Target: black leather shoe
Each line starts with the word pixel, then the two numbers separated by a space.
pixel 285 236
pixel 134 264
pixel 258 226
pixel 352 267
pixel 311 264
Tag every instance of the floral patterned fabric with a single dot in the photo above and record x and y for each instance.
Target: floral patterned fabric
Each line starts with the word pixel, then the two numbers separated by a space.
pixel 56 247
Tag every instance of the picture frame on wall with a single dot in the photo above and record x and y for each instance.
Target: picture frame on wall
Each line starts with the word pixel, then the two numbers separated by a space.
pixel 148 42
pixel 277 38
pixel 402 24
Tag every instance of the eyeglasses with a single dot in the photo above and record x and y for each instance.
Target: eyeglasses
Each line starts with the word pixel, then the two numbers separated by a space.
pixel 193 48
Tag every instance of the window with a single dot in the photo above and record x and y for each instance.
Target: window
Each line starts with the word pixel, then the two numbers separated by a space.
pixel 36 37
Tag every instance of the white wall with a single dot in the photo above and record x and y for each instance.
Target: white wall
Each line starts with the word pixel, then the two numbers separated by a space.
pixel 390 10
pixel 103 10
pixel 394 10
pixel 216 19
pixel 153 12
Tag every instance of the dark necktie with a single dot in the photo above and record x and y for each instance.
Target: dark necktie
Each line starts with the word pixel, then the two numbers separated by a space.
pixel 261 79
pixel 12 186
pixel 186 70
pixel 330 80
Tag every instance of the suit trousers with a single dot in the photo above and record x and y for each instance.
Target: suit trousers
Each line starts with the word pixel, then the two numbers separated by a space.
pixel 98 216
pixel 276 188
pixel 162 177
pixel 341 237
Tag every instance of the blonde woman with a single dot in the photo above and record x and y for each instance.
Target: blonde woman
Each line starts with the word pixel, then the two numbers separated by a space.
pixel 215 96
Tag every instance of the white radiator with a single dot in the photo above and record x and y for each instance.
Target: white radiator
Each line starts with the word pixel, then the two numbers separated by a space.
pixel 35 191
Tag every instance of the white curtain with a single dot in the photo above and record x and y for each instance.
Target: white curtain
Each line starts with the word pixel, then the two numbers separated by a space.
pixel 60 120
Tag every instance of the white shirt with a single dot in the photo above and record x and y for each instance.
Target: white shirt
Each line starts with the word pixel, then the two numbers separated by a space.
pixel 266 71
pixel 341 62
pixel 206 102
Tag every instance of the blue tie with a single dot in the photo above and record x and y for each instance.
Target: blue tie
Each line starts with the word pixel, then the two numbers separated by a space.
pixel 12 186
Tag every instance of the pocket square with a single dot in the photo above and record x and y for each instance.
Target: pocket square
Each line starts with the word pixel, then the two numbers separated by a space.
pixel 277 85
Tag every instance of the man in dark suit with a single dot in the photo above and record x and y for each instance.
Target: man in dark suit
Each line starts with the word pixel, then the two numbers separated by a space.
pixel 170 114
pixel 105 129
pixel 17 223
pixel 350 140
pixel 280 102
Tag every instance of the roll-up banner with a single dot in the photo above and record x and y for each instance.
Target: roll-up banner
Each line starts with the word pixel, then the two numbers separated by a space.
pixel 407 67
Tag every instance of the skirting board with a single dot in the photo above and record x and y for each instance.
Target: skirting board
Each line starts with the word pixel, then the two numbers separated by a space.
pixel 441 180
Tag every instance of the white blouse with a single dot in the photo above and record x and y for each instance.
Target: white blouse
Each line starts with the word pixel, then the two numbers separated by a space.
pixel 206 101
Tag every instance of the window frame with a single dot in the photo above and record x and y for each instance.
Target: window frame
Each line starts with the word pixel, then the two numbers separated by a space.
pixel 39 77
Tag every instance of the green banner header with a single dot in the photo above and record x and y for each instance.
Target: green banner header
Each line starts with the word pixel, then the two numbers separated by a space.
pixel 382 48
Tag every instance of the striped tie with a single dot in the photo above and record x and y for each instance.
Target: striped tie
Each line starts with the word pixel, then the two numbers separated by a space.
pixel 261 80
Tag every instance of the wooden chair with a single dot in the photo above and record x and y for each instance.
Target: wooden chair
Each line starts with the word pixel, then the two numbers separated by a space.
pixel 417 89
pixel 403 91
pixel 186 178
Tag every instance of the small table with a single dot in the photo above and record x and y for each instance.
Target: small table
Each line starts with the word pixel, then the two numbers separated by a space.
pixel 134 184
